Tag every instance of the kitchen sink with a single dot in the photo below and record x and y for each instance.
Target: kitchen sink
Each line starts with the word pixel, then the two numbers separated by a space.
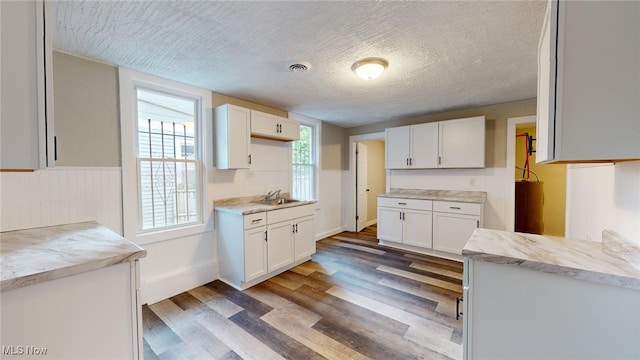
pixel 280 201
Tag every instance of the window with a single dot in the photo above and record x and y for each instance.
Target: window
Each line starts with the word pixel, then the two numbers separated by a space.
pixel 164 136
pixel 304 164
pixel 168 165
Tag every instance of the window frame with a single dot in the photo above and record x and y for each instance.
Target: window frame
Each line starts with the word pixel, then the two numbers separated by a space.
pixel 129 82
pixel 317 129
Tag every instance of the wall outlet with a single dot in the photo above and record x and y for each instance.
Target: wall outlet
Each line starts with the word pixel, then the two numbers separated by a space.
pixel 472 181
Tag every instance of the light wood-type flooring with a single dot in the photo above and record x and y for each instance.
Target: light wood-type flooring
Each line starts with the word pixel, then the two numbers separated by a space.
pixel 353 300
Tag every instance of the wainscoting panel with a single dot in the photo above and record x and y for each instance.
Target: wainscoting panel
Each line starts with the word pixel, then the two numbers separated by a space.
pixel 61 196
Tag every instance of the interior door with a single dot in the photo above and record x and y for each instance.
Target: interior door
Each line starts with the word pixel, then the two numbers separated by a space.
pixel 362 185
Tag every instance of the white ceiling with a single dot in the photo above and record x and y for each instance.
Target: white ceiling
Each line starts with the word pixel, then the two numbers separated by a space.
pixel 442 55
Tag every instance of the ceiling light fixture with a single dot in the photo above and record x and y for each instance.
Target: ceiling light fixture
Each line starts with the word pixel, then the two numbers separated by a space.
pixel 369 68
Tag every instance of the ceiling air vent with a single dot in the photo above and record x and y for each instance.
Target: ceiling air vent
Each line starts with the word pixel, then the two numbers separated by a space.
pixel 299 68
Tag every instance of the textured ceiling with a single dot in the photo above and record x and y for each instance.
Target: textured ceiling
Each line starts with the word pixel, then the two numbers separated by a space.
pixel 442 55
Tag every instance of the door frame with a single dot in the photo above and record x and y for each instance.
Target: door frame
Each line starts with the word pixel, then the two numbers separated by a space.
pixel 350 210
pixel 512 123
pixel 360 146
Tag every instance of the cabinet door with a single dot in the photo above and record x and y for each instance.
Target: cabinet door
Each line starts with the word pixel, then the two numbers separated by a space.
pixel 424 146
pixel 545 121
pixel 255 253
pixel 263 124
pixel 397 147
pixel 305 242
pixel 390 224
pixel 452 231
pixel 233 139
pixel 462 143
pixel 24 64
pixel 417 228
pixel 289 129
pixel 280 245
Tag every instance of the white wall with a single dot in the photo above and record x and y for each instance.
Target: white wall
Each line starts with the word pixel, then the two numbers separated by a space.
pixel 270 170
pixel 603 197
pixel 60 196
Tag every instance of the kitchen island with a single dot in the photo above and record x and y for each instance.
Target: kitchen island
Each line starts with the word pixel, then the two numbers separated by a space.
pixel 70 292
pixel 532 296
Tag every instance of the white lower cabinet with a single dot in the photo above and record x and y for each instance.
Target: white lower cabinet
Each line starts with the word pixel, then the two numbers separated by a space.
pixel 254 247
pixel 280 245
pixel 420 225
pixel 255 255
pixel 406 221
pixel 453 224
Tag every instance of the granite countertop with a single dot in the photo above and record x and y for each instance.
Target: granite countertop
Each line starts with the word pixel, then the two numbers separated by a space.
pixel 444 195
pixel 245 205
pixel 614 261
pixel 36 255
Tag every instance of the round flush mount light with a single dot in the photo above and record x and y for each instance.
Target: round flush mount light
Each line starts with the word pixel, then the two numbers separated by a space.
pixel 369 68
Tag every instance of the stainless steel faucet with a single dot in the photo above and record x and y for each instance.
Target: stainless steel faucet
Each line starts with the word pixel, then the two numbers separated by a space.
pixel 271 194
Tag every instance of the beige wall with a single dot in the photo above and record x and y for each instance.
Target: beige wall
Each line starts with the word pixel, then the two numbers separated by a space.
pixel 86 112
pixel 333 148
pixel 376 176
pixel 496 128
pixel 554 180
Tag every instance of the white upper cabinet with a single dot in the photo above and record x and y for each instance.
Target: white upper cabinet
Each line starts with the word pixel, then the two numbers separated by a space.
pixel 456 143
pixel 412 147
pixel 26 133
pixel 462 143
pixel 233 138
pixel 589 82
pixel 273 127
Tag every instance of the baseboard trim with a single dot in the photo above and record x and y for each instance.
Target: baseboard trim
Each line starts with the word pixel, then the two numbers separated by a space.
pixel 372 222
pixel 329 233
pixel 163 287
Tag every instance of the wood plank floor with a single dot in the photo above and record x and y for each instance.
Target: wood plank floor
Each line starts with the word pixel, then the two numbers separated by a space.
pixel 353 300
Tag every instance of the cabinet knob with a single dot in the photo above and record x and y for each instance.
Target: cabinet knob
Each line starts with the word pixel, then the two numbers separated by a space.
pixel 458 312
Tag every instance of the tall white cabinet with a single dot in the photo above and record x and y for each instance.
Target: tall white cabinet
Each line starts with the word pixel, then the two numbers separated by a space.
pixel 588 82
pixel 233 137
pixel 26 122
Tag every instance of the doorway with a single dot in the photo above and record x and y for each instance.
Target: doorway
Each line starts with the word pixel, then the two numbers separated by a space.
pixel 376 181
pixel 370 181
pixel 538 191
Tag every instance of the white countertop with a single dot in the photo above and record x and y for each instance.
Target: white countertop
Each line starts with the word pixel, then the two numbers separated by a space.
pixel 443 195
pixel 245 205
pixel 36 255
pixel 614 261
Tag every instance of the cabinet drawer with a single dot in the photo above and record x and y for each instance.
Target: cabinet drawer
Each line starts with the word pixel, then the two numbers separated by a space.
pixel 255 220
pixel 406 203
pixel 457 207
pixel 276 216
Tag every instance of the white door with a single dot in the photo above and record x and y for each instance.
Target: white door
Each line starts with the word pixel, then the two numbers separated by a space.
pixel 362 185
pixel 289 130
pixel 390 224
pixel 417 228
pixel 280 245
pixel 255 253
pixel 424 141
pixel 305 242
pixel 452 231
pixel 397 147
